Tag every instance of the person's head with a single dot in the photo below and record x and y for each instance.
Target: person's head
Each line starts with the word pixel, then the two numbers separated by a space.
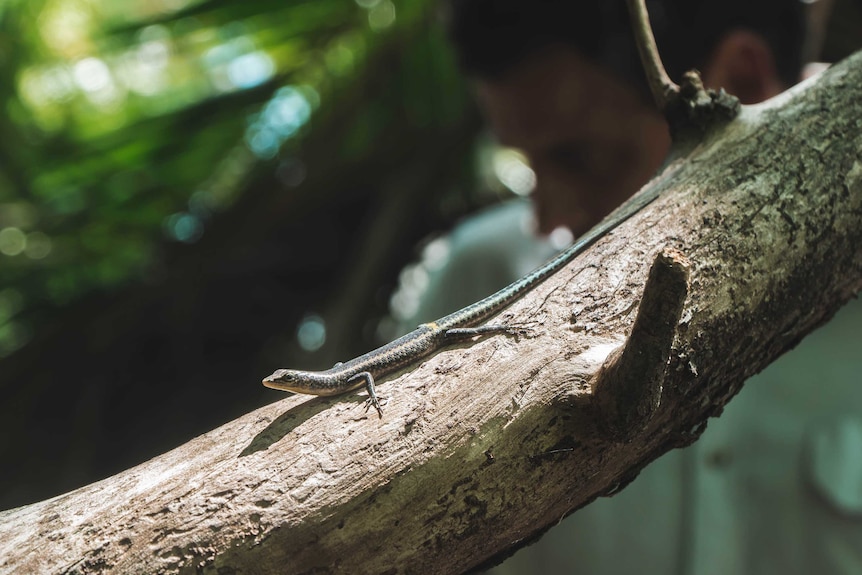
pixel 561 80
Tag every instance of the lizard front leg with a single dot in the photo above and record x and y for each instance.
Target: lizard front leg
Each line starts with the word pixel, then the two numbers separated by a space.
pixel 369 387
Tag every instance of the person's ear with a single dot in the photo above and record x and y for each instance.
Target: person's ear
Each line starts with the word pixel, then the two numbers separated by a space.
pixel 743 64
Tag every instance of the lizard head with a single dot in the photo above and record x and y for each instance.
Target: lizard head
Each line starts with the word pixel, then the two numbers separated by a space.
pixel 283 379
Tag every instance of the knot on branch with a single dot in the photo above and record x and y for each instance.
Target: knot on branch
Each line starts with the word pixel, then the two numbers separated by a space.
pixel 693 110
pixel 629 385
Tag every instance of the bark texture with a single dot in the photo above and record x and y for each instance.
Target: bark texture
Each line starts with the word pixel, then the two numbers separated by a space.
pixel 484 447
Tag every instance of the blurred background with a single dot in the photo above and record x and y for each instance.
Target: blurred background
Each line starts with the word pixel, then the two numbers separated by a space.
pixel 194 193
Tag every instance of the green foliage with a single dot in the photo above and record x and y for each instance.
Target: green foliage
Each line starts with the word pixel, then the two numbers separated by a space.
pixel 129 124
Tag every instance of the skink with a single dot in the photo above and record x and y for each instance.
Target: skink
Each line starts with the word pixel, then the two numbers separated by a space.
pixel 459 326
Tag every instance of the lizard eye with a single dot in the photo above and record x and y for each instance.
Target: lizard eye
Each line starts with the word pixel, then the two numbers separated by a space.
pixel 280 376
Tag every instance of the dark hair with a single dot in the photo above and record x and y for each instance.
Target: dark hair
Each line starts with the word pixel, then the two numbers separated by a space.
pixel 493 35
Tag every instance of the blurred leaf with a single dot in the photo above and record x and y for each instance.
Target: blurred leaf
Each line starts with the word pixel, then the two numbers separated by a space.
pixel 130 124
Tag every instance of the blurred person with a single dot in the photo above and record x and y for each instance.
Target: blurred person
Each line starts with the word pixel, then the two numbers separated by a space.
pixel 775 484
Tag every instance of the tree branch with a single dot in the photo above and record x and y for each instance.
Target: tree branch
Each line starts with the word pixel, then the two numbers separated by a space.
pixel 482 448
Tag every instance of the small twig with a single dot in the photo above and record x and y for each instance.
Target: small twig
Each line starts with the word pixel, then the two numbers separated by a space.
pixel 662 87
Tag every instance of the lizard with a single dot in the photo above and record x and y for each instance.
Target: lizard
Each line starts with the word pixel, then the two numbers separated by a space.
pixel 458 326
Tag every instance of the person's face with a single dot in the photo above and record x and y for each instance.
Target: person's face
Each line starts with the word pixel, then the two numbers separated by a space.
pixel 590 139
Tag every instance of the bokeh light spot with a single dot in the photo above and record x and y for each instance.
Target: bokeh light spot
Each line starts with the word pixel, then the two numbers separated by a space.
pixel 264 143
pixel 382 16
pixel 311 332
pixel 281 118
pixel 12 241
pixel 287 112
pixel 38 246
pixel 184 227
pixel 339 59
pixel 250 70
pixel 91 75
pixel 561 237
pixel 436 254
pixel 512 170
pixel 57 83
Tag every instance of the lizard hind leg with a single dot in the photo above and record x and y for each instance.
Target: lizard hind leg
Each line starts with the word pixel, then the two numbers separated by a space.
pixel 369 387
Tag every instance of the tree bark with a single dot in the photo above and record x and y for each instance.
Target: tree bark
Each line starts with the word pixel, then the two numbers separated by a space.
pixel 483 447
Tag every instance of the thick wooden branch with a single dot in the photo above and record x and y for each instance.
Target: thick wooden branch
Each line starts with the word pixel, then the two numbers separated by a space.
pixel 484 447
